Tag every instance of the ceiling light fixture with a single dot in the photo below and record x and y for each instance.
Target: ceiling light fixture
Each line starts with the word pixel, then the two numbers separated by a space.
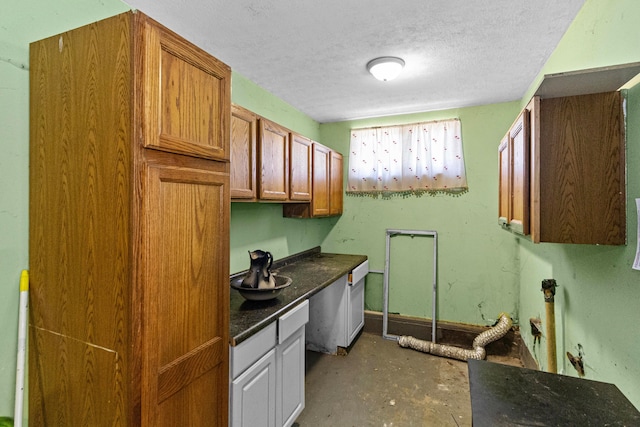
pixel 385 68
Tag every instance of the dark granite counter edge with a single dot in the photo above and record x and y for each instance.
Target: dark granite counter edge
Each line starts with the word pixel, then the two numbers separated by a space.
pixel 290 261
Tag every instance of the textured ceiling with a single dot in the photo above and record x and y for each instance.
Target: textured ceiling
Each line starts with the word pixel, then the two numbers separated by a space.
pixel 313 54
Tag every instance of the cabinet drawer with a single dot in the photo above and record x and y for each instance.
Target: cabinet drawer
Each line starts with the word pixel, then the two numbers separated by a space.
pixel 292 321
pixel 359 272
pixel 249 351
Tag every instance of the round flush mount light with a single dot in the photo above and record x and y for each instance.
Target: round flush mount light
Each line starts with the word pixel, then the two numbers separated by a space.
pixel 385 68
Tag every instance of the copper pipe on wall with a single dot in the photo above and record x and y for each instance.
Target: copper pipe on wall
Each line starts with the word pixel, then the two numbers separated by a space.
pixel 549 290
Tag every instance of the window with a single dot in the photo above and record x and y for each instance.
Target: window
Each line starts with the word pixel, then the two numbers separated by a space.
pixel 415 159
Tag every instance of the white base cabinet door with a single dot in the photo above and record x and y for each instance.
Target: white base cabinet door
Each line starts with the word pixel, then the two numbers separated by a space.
pixel 253 394
pixel 355 298
pixel 267 371
pixel 356 309
pixel 290 380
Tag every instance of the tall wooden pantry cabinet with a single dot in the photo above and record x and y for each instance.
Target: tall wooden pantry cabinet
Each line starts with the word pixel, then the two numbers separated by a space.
pixel 129 228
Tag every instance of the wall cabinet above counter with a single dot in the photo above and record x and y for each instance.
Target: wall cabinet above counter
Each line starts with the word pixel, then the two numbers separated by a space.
pixel 562 162
pixel 269 163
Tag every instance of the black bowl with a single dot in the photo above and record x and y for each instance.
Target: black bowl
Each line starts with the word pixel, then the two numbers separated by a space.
pixel 258 294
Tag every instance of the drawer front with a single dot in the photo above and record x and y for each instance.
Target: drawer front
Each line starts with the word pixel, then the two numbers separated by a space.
pixel 359 272
pixel 249 351
pixel 292 321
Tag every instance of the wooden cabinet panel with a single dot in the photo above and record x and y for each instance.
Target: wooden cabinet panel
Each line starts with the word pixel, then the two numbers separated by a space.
pixel 187 95
pixel 74 362
pixel 514 176
pixel 582 170
pixel 321 176
pixel 300 168
pixel 518 176
pixel 289 168
pixel 273 161
pixel 243 153
pixel 335 184
pixel 327 183
pixel 519 144
pixel 128 245
pixel 185 342
pixel 576 167
pixel 504 187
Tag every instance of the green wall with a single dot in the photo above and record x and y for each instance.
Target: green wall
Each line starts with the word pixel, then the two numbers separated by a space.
pixel 14 209
pixel 477 263
pixel 599 294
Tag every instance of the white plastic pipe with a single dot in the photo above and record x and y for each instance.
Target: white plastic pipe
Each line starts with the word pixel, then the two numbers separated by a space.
pixel 22 347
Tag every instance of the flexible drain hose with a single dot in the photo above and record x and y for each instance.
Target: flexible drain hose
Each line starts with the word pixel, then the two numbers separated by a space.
pixel 478 352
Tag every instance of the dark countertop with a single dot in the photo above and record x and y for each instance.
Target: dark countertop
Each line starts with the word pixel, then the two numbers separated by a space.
pixel 310 272
pixel 503 395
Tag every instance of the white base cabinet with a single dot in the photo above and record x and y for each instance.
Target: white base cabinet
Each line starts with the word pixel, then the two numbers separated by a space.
pixel 267 373
pixel 290 379
pixel 336 313
pixel 253 394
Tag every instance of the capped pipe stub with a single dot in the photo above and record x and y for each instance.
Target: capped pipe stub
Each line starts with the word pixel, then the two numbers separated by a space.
pixel 549 288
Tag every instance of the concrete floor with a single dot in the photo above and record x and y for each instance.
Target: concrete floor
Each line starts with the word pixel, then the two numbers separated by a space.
pixel 381 384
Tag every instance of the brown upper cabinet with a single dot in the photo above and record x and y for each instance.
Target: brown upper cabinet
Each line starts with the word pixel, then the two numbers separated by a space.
pixel 514 176
pixel 321 180
pixel 128 228
pixel 272 164
pixel 273 161
pixel 300 168
pixel 570 181
pixel 336 183
pixel 578 169
pixel 244 128
pixel 326 199
pixel 562 163
pixel 176 76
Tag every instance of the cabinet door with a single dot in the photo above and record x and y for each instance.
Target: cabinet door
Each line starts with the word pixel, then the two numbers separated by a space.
pixel 300 168
pixel 504 190
pixel 253 395
pixel 273 161
pixel 290 382
pixel 514 193
pixel 335 186
pixel 243 153
pixel 519 179
pixel 321 173
pixel 581 186
pixel 184 95
pixel 356 309
pixel 184 295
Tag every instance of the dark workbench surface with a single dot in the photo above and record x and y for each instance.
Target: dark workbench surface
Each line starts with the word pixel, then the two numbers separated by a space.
pixel 310 271
pixel 503 395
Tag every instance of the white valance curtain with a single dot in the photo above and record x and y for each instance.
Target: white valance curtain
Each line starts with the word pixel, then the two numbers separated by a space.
pixel 415 159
